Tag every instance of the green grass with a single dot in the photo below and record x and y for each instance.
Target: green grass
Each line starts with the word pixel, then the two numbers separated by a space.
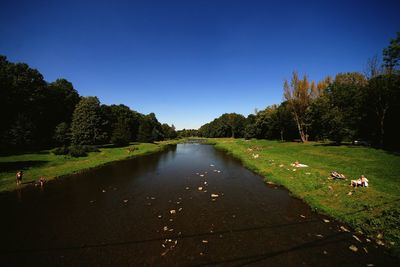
pixel 372 210
pixel 45 163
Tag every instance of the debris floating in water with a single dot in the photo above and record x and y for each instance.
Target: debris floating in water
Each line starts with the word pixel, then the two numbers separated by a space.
pixel 200 188
pixel 187 188
pixel 344 229
pixel 204 241
pixel 325 220
pixel 302 216
pixel 103 191
pixel 126 201
pixel 356 238
pixel 214 195
pixel 211 165
pixel 172 211
pixel 201 175
pixel 353 248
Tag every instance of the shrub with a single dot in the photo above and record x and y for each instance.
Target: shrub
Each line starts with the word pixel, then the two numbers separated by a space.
pixel 89 148
pixel 77 151
pixel 60 150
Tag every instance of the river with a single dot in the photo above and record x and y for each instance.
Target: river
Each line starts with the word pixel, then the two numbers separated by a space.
pixel 191 205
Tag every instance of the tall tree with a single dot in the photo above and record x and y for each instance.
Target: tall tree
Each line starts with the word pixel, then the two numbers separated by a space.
pixel 391 54
pixel 298 96
pixel 87 123
pixel 382 94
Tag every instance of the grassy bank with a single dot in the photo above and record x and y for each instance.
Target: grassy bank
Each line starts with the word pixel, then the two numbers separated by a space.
pixel 373 210
pixel 45 163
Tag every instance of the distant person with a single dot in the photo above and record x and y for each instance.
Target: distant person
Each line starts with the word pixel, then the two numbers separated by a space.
pixel 364 181
pixel 40 182
pixel 298 164
pixel 18 176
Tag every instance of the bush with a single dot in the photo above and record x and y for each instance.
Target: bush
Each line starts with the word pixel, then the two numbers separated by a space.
pixel 60 150
pixel 77 151
pixel 88 148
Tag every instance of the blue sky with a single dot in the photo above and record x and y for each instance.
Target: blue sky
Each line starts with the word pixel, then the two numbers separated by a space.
pixel 191 61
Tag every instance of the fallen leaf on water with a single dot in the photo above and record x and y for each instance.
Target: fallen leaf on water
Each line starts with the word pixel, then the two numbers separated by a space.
pixel 353 248
pixel 356 238
pixel 344 229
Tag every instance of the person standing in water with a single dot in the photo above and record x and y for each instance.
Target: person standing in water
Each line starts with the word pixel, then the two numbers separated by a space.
pixel 19 177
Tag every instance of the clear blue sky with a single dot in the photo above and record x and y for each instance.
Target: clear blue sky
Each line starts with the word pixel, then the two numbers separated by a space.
pixel 190 61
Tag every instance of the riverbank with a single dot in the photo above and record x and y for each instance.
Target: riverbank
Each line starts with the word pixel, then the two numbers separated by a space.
pixel 44 163
pixel 372 210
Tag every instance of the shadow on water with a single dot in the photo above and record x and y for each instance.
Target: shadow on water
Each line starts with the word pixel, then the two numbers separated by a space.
pixel 121 215
pixel 182 236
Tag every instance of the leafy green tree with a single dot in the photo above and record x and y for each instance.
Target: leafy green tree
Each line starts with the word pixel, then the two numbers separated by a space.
pixel 22 113
pixel 391 54
pixel 62 134
pixel 87 123
pixel 346 101
pixel 145 131
pixel 169 132
pixel 382 95
pixel 121 134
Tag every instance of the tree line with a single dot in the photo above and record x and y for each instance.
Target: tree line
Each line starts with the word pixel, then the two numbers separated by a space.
pixel 348 107
pixel 36 114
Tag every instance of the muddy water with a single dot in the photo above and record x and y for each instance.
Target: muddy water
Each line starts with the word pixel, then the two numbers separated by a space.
pixel 120 215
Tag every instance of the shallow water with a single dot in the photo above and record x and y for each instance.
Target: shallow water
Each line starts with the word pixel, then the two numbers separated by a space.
pixel 119 215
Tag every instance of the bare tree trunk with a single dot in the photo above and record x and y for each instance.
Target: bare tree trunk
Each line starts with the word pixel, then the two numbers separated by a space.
pixel 382 126
pixel 300 128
